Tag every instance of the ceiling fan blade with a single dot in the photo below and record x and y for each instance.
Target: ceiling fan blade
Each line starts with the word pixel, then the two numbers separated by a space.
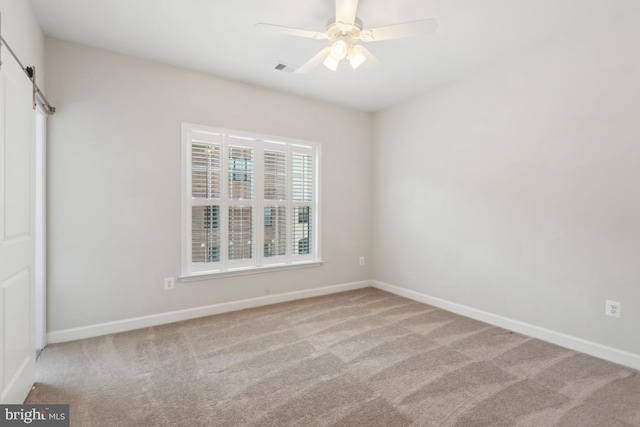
pixel 371 59
pixel 398 31
pixel 313 62
pixel 346 11
pixel 287 31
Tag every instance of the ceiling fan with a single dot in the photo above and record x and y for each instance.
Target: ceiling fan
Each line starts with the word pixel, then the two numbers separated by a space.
pixel 344 34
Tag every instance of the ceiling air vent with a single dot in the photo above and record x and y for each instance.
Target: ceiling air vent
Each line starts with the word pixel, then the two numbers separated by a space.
pixel 287 68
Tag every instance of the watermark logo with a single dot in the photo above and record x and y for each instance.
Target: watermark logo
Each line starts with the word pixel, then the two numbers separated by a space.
pixel 34 415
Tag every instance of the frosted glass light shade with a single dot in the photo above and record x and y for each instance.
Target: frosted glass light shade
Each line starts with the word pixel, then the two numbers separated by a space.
pixel 331 63
pixel 356 57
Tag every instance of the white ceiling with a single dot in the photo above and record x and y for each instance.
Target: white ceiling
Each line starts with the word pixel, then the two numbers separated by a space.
pixel 219 37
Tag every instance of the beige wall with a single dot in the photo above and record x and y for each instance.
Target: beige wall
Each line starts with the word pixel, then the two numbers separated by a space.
pixel 114 183
pixel 517 191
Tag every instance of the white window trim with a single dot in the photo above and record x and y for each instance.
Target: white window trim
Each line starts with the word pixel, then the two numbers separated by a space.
pixel 194 277
pixel 258 264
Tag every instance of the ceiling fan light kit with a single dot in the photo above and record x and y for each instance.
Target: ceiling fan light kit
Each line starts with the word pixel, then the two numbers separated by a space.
pixel 346 31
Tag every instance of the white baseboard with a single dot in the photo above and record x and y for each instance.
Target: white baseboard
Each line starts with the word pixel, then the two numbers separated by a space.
pixel 578 344
pixel 192 313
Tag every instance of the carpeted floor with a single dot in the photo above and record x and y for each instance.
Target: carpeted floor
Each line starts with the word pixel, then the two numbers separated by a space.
pixel 360 358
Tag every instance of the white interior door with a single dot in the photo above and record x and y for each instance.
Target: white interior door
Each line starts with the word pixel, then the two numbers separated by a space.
pixel 17 247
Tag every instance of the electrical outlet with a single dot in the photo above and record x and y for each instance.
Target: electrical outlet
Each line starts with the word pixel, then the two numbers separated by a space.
pixel 613 308
pixel 169 283
pixel 361 260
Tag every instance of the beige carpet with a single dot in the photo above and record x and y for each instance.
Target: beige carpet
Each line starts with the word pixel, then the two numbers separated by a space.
pixel 360 358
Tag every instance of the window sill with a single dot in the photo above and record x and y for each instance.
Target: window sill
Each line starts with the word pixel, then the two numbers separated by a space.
pixel 195 277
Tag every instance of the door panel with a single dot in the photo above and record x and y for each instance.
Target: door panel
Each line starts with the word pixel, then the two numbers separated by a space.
pixel 17 249
pixel 16 320
pixel 18 119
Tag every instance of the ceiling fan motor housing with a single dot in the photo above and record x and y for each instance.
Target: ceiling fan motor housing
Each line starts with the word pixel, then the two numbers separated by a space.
pixel 348 32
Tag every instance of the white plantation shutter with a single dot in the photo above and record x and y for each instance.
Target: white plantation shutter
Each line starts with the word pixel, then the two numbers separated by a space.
pixel 240 172
pixel 241 186
pixel 303 201
pixel 302 226
pixel 302 170
pixel 205 241
pixel 240 232
pixel 276 205
pixel 275 175
pixel 205 171
pixel 205 191
pixel 249 202
pixel 275 231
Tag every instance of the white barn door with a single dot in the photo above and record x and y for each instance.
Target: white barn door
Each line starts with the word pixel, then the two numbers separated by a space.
pixel 17 240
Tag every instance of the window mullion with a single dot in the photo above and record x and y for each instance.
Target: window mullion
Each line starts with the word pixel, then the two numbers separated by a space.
pixel 316 205
pixel 289 204
pixel 187 204
pixel 224 205
pixel 258 205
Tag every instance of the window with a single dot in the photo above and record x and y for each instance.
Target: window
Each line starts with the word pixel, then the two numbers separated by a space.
pixel 249 202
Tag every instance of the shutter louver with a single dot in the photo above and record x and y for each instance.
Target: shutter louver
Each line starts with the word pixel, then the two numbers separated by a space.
pixel 302 230
pixel 205 170
pixel 302 176
pixel 240 232
pixel 205 234
pixel 275 231
pixel 240 173
pixel 275 175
